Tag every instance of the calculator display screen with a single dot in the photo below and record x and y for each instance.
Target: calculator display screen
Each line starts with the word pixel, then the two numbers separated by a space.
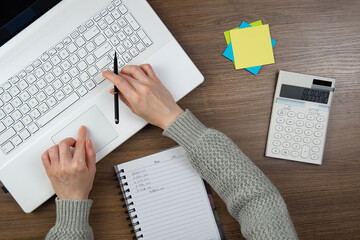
pixel 306 94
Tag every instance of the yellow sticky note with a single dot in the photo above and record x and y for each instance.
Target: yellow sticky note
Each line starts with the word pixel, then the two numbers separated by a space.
pixel 252 46
pixel 227 33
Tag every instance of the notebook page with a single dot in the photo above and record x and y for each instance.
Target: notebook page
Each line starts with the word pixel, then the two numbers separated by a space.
pixel 169 197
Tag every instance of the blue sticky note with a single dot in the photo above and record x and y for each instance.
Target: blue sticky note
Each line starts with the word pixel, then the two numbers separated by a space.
pixel 228 53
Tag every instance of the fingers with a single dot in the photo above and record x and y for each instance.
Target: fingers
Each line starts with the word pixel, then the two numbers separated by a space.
pixel 79 153
pixel 64 148
pixel 148 70
pixel 136 72
pixel 90 155
pixel 120 82
pixel 54 155
pixel 46 160
pixel 122 98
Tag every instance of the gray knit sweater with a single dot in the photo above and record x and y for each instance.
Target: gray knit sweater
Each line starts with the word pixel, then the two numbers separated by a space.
pixel 249 195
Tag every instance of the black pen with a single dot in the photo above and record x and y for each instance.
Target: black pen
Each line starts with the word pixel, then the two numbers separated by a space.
pixel 116 93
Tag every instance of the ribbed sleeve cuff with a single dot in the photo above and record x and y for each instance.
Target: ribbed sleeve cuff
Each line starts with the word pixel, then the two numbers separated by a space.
pixel 185 130
pixel 72 214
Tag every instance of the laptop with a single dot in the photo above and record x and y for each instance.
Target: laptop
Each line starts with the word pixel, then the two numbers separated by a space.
pixel 52 54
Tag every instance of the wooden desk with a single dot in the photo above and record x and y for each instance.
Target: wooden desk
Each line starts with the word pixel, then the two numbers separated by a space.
pixel 315 37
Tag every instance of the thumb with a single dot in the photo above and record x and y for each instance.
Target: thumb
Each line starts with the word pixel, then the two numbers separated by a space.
pixel 90 156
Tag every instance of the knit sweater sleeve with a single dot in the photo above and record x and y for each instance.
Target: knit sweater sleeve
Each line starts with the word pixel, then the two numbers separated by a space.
pixel 72 220
pixel 249 195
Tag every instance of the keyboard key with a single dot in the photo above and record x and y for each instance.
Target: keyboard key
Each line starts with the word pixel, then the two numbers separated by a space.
pixel 57 71
pixel 140 47
pixel 82 53
pixel 147 41
pixel 14 80
pixel 89 23
pixel 90 47
pixel 116 14
pixel 33 89
pixel 52 51
pixel 111 7
pixel 67 41
pixel 75 34
pixel 82 29
pixel 121 35
pixel 305 151
pixel 108 33
pixel 35 114
pixel 99 78
pixel 8 121
pixel 317 141
pixel 128 44
pixel 16 140
pixel 82 91
pixel 51 101
pixel 7 147
pixel 109 19
pixel 134 38
pixel 102 24
pixel 25 134
pixel 92 70
pixel 114 41
pixel 65 65
pixel 39 72
pixel 55 60
pixel 84 77
pixel 59 95
pixel 57 84
pixel 5 136
pixel 74 72
pixel 16 115
pixel 24 96
pixel 14 91
pixel 25 108
pixel 80 41
pixel 82 65
pixel 33 128
pixel 49 90
pixel 44 57
pixel 99 39
pixel 72 48
pixel 320 118
pixel 8 108
pixel 117 2
pixel 121 49
pixel 127 57
pixel 65 78
pixel 132 21
pixel 68 89
pixel 31 78
pixel 123 9
pixel 103 62
pixel 2 115
pixel 43 108
pixel 57 109
pixel 47 66
pixel 33 102
pixel 275 151
pixel 90 85
pixel 74 59
pixel 23 84
pixel 22 74
pixel 97 18
pixel 317 134
pixel 6 97
pixel 315 149
pixel 90 59
pixel 103 12
pixel 64 54
pixel 134 52
pixel 295 154
pixel 103 50
pixel 122 22
pixel 128 30
pixel 19 126
pixel 310 117
pixel 319 126
pixel 59 46
pixel 29 68
pixel 142 35
pixel 306 140
pixel 76 83
pixel 27 120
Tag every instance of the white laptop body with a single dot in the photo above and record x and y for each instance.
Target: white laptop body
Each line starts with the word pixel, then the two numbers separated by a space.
pixel 21 170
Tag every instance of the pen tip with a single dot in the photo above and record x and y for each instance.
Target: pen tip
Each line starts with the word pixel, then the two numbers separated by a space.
pixel 115 53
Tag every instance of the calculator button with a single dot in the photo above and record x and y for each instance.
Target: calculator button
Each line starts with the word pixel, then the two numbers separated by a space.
pixel 306 140
pixel 296 146
pixel 305 151
pixel 299 123
pixel 310 117
pixel 290 122
pixel 317 141
pixel 320 118
pixel 319 126
pixel 287 137
pixel 309 124
pixel 280 120
pixel 295 154
pixel 286 144
pixel 301 115
pixel 315 149
pixel 281 112
pixel 297 138
pixel 276 143
pixel 291 114
pixel 317 134
pixel 277 135
pixel 308 132
pixel 288 129
pixel 314 157
pixel 275 150
pixel 279 128
pixel 285 152
pixel 298 130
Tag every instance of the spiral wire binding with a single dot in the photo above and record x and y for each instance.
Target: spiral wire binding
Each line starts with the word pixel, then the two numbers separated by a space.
pixel 128 203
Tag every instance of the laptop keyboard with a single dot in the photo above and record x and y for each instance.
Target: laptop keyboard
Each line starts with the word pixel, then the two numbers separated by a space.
pixel 67 72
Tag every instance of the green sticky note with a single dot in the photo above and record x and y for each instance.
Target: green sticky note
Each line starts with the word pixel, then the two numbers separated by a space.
pixel 227 33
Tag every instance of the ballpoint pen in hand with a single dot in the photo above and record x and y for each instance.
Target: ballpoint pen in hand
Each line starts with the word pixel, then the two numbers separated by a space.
pixel 116 93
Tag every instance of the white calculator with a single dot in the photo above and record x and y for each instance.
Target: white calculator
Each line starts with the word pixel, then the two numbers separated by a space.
pixel 299 117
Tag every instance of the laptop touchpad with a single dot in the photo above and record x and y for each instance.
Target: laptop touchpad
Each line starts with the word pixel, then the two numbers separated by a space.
pixel 98 129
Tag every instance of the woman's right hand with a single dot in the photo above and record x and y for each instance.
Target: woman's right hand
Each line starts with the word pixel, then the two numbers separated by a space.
pixel 142 91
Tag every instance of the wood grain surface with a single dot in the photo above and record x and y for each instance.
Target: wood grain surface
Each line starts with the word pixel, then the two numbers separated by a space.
pixel 320 37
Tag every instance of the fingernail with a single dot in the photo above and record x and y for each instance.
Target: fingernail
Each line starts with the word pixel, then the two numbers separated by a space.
pixel 89 142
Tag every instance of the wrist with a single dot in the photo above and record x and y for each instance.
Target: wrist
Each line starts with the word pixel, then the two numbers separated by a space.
pixel 171 117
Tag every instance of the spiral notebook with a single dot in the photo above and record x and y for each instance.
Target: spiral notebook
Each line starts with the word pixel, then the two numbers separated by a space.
pixel 167 199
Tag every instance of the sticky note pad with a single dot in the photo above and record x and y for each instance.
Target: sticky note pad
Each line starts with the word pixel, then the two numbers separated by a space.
pixel 227 33
pixel 252 46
